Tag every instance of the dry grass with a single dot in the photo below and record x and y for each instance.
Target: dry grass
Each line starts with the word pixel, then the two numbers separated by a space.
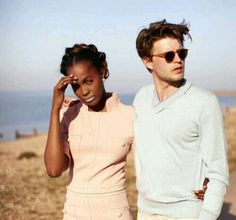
pixel 230 127
pixel 26 192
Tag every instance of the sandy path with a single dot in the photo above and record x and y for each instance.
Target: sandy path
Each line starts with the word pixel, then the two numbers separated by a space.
pixel 25 190
pixel 27 193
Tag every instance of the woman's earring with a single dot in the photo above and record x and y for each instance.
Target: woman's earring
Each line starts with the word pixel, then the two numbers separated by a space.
pixel 103 79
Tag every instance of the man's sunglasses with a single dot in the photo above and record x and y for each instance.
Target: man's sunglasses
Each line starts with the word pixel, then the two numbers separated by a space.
pixel 170 55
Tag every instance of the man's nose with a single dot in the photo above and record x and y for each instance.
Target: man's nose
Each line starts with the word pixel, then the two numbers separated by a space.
pixel 177 58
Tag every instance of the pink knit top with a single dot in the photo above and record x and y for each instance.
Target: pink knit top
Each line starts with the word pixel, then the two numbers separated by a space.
pixel 97 144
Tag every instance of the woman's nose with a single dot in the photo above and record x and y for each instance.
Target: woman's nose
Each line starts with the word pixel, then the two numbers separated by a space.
pixel 85 91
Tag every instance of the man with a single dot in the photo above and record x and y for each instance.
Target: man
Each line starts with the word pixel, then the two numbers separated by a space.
pixel 179 133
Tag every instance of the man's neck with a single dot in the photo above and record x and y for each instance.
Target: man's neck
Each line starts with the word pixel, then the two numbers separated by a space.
pixel 165 89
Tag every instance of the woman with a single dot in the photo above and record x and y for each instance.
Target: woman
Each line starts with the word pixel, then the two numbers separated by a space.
pixel 91 138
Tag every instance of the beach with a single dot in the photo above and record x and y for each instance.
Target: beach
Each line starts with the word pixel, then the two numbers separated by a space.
pixel 26 192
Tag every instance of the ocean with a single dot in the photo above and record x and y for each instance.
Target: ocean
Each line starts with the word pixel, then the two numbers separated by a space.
pixel 25 111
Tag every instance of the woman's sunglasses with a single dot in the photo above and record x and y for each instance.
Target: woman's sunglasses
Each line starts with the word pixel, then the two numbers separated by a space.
pixel 170 55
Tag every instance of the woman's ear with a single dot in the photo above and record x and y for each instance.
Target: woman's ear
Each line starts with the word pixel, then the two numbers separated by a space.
pixel 103 73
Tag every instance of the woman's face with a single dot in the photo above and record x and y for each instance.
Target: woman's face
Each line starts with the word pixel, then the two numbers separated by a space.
pixel 89 87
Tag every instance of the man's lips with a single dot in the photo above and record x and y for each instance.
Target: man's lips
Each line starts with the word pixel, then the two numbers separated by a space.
pixel 178 68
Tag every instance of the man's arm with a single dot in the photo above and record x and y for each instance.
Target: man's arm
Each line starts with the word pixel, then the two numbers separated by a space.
pixel 214 150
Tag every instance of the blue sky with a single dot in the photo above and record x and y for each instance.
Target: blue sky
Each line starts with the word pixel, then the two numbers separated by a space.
pixel 34 34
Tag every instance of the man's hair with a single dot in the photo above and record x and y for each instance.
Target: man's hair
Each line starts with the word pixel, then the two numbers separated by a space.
pixel 157 31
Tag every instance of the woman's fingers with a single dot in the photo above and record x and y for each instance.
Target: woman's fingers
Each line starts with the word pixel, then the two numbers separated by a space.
pixel 199 194
pixel 70 101
pixel 206 180
pixel 64 81
pixel 201 197
pixel 67 101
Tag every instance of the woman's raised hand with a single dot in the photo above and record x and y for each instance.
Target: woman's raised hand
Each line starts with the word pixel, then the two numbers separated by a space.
pixel 59 91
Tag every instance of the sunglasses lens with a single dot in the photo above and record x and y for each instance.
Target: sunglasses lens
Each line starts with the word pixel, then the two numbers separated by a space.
pixel 183 54
pixel 170 56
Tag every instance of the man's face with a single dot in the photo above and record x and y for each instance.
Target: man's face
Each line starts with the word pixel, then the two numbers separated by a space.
pixel 163 70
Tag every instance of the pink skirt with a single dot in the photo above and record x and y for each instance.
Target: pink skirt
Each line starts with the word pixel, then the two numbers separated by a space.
pixel 109 206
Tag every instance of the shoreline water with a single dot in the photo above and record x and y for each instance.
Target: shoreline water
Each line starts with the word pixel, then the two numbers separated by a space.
pixel 25 112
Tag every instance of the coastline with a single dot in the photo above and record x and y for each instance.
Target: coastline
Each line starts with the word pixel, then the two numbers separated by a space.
pixel 33 111
pixel 27 192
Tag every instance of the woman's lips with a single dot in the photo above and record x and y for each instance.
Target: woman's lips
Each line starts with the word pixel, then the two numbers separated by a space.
pixel 90 99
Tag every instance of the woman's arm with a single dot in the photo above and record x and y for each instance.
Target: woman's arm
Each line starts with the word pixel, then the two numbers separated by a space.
pixel 54 157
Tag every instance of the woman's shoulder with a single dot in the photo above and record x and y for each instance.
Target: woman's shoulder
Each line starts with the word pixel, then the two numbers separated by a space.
pixel 70 107
pixel 127 111
pixel 70 102
pixel 126 107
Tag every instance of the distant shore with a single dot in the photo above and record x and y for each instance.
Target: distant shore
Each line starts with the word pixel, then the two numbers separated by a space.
pixel 27 111
pixel 220 92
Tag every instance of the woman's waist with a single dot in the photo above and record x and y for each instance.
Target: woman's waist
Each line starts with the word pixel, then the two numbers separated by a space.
pixel 95 183
pixel 94 190
pixel 112 199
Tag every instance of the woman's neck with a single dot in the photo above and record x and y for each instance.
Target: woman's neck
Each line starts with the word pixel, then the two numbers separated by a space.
pixel 101 106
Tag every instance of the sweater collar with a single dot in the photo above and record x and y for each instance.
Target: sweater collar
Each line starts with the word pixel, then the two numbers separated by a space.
pixel 159 106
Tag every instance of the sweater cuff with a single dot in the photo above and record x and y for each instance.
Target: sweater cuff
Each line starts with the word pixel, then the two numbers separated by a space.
pixel 205 215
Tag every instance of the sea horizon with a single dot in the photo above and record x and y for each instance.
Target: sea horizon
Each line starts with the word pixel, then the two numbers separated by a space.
pixel 25 111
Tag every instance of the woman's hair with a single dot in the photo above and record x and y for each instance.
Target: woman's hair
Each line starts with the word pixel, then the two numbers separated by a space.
pixel 81 52
pixel 157 31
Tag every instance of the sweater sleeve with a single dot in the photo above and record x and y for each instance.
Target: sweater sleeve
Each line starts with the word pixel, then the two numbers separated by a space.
pixel 214 150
